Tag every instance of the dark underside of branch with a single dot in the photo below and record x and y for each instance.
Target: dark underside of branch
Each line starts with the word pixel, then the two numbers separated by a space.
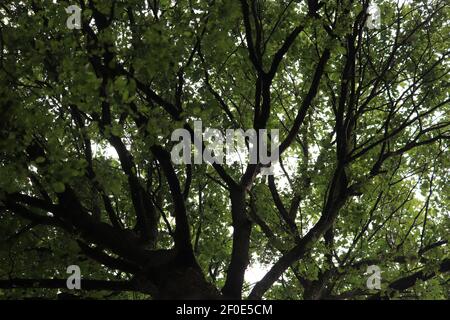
pixel 89 285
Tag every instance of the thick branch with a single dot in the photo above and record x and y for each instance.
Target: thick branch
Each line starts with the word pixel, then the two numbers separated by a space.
pixel 62 283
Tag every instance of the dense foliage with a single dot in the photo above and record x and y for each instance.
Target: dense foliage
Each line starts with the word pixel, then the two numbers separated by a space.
pixel 86 178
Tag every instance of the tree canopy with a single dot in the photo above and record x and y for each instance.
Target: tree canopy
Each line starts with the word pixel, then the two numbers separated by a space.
pixel 87 179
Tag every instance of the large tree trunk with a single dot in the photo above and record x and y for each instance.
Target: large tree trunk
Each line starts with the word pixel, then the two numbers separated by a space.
pixel 185 284
pixel 241 245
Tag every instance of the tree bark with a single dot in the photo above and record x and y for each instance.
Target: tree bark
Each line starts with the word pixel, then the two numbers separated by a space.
pixel 241 244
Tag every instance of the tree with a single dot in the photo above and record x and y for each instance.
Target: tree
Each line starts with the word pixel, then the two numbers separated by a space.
pixel 87 178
